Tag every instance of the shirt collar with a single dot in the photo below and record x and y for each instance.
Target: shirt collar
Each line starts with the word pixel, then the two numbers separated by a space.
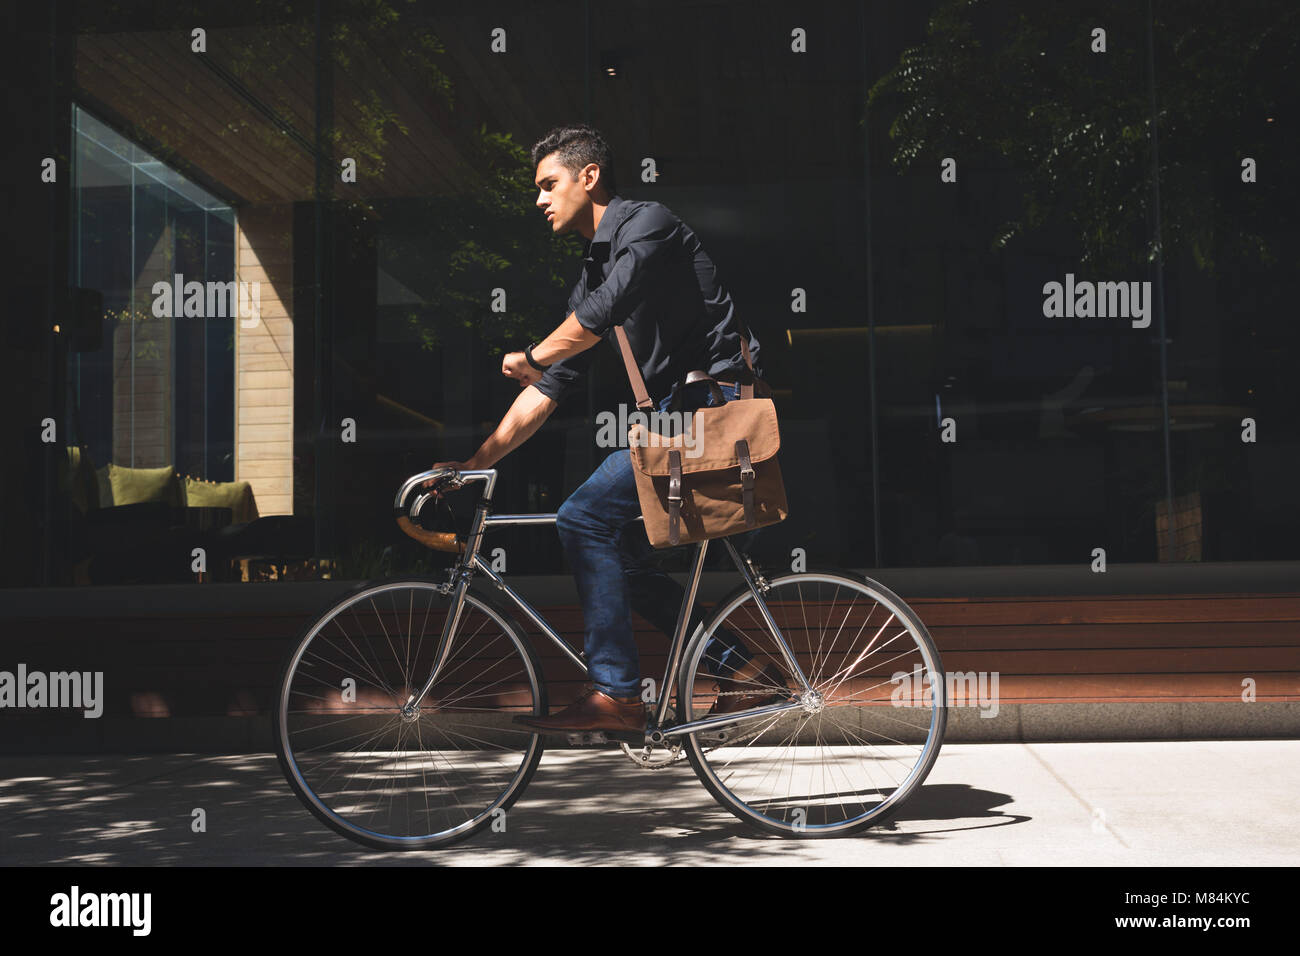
pixel 614 213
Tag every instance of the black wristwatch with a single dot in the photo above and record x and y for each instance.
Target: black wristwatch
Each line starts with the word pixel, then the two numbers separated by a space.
pixel 528 354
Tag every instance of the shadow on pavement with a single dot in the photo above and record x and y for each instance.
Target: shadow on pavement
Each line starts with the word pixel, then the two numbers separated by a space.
pixel 583 807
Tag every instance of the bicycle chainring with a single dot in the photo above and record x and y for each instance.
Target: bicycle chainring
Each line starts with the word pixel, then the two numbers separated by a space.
pixel 655 756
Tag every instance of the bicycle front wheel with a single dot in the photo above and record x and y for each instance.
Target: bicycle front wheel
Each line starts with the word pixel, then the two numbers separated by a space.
pixel 390 780
pixel 863 738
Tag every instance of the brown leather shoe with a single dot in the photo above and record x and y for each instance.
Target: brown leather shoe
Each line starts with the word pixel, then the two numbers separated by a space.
pixel 768 687
pixel 594 710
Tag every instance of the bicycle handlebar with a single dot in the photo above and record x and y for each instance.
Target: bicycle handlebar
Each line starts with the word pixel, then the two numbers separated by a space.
pixel 448 478
pixel 399 503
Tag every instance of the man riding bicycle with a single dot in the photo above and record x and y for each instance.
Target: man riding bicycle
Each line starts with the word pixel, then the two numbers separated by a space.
pixel 646 270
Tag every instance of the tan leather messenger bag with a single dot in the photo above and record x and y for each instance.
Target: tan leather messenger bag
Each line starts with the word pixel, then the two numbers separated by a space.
pixel 718 477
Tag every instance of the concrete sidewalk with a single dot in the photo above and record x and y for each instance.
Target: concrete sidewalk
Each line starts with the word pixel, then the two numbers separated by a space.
pixel 1215 803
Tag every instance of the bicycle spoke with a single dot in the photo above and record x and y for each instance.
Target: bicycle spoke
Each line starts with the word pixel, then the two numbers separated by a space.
pixel 844 761
pixel 422 778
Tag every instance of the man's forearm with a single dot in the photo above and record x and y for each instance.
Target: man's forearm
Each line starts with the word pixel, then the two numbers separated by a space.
pixel 567 341
pixel 519 423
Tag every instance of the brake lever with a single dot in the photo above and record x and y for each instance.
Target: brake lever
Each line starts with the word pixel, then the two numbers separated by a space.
pixel 450 482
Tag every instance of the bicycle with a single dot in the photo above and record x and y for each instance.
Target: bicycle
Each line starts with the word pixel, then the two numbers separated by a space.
pixel 399 743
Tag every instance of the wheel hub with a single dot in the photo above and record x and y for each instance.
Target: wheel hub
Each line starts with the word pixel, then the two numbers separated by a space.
pixel 813 702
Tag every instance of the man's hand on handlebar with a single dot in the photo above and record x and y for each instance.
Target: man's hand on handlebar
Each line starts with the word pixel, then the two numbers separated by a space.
pixel 440 481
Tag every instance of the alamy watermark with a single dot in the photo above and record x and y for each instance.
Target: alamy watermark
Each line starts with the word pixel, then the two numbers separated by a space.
pixel 208 300
pixel 1102 300
pixel 915 688
pixel 657 430
pixel 75 909
pixel 22 689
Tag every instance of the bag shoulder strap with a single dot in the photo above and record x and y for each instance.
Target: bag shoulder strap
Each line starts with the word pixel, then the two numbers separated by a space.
pixel 746 389
pixel 633 373
pixel 638 382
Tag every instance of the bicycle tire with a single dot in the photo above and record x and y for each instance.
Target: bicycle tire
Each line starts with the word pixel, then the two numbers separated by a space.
pixel 707 755
pixel 523 691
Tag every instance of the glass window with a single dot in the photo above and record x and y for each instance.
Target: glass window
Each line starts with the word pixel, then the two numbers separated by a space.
pixel 157 391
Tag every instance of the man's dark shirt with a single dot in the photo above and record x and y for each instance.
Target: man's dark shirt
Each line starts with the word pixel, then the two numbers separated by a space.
pixel 645 268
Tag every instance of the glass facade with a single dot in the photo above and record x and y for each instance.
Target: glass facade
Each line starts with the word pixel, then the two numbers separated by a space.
pixel 1005 324
pixel 159 389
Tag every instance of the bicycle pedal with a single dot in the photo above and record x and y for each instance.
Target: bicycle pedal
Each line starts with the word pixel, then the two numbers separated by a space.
pixel 598 738
pixel 587 738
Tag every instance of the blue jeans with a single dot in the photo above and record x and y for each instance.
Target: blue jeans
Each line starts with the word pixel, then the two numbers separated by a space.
pixel 616 570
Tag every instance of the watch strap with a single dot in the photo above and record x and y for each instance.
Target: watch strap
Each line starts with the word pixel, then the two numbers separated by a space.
pixel 528 354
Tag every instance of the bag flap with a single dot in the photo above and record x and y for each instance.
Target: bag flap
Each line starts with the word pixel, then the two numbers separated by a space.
pixel 710 444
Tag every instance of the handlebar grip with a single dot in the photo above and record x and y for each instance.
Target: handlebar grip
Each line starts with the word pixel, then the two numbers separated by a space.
pixel 437 540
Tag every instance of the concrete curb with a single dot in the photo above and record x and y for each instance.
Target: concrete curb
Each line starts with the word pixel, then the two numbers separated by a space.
pixel 1013 723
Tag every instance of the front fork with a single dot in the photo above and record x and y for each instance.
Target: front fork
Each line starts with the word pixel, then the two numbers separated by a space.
pixel 459 583
pixel 462 575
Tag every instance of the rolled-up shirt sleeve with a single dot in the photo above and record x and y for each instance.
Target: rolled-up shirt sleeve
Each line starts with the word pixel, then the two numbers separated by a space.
pixel 643 248
pixel 561 377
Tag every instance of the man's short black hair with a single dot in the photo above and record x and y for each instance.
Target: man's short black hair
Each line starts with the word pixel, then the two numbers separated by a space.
pixel 577 147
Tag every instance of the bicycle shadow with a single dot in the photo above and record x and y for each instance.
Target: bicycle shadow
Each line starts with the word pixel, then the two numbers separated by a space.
pixel 582 808
pixel 599 806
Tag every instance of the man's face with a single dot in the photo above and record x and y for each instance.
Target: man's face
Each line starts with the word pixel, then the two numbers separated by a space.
pixel 562 199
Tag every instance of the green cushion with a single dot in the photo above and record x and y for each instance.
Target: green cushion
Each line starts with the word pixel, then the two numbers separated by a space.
pixel 235 495
pixel 133 485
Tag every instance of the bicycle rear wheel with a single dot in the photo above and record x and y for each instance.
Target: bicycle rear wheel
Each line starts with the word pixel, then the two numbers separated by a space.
pixel 861 742
pixel 419 781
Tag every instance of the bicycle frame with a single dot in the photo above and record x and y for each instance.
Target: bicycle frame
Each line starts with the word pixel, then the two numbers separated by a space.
pixel 471 561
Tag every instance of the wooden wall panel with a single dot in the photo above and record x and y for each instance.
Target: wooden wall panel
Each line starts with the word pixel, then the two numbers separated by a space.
pixel 264 359
pixel 203 664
